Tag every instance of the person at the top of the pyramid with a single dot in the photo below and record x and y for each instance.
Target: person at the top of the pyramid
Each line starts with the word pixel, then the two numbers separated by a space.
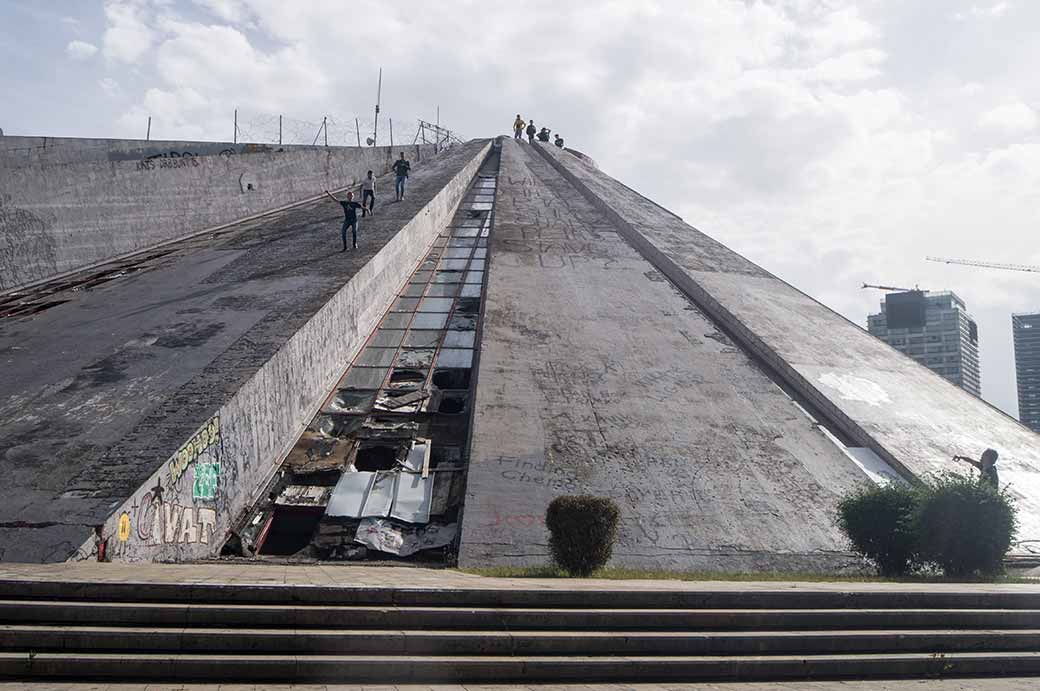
pixel 543 134
pixel 531 131
pixel 368 194
pixel 518 127
pixel 987 466
pixel 558 141
pixel 401 169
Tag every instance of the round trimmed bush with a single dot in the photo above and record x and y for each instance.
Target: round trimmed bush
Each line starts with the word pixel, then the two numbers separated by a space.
pixel 879 524
pixel 582 530
pixel 965 527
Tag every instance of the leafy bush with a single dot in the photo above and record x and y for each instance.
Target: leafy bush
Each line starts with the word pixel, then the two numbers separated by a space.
pixel 582 530
pixel 965 527
pixel 879 523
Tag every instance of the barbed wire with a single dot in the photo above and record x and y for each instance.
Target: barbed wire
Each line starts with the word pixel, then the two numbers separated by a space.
pixel 264 128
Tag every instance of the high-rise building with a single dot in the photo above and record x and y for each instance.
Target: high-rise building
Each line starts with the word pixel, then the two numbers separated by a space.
pixel 935 329
pixel 1026 329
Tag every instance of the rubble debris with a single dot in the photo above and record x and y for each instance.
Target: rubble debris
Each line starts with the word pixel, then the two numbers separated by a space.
pixel 386 536
pixel 351 401
pixel 383 494
pixel 407 402
pixel 304 495
pixel 412 498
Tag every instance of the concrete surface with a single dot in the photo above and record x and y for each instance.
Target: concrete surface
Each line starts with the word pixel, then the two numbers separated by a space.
pixel 237 574
pixel 1005 684
pixel 25 150
pixel 597 376
pixel 881 399
pixel 215 355
pixel 56 218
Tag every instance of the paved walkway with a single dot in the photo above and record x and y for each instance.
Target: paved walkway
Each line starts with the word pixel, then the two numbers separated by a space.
pixel 1016 684
pixel 354 576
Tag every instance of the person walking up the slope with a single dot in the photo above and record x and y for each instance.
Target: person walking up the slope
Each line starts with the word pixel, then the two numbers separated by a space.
pixel 350 219
pixel 368 195
pixel 401 169
pixel 518 128
pixel 531 131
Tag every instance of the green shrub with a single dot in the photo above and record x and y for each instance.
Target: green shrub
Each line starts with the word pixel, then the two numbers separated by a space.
pixel 582 530
pixel 965 527
pixel 878 522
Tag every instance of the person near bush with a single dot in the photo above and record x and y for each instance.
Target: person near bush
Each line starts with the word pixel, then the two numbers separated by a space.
pixel 987 466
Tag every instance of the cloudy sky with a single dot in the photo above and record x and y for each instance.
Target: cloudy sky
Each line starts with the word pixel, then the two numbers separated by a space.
pixel 834 143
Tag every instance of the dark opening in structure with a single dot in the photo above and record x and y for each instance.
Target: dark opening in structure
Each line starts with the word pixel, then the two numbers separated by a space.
pixel 457 379
pixel 290 531
pixel 376 457
pixel 452 405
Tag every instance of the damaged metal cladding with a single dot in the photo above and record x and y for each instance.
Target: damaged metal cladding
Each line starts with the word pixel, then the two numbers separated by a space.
pixel 380 472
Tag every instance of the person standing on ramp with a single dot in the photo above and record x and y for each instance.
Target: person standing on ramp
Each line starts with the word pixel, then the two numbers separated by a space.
pixel 401 169
pixel 531 131
pixel 518 128
pixel 368 195
pixel 350 219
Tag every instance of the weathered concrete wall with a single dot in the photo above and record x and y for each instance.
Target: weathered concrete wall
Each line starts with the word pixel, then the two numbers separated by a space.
pixel 183 511
pixel 17 151
pixel 56 218
pixel 597 376
pixel 907 414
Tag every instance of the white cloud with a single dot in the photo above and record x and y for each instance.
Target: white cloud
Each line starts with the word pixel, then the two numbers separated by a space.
pixel 128 36
pixel 993 11
pixel 80 50
pixel 233 11
pixel 1010 118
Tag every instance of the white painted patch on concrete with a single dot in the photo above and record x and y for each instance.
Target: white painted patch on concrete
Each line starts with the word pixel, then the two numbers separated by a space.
pixel 880 472
pixel 853 388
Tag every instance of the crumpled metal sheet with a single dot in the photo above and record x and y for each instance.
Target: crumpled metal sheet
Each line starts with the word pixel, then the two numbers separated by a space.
pixel 384 536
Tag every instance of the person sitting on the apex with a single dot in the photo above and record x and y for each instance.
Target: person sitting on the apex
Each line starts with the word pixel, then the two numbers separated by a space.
pixel 543 135
pixel 558 141
pixel 518 128
pixel 986 465
pixel 531 130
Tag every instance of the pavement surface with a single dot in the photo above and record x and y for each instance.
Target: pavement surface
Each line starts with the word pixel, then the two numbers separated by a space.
pixel 1008 684
pixel 354 576
pixel 100 389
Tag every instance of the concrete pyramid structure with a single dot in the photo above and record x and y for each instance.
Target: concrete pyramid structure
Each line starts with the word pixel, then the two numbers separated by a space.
pixel 220 383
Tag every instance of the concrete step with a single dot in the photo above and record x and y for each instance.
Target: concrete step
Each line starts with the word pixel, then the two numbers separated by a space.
pixel 750 598
pixel 83 639
pixel 415 668
pixel 478 618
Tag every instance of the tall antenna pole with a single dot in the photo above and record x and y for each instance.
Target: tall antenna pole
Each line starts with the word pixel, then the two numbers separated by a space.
pixel 379 95
pixel 236 126
pixel 357 129
pixel 325 126
pixel 148 135
pixel 391 133
pixel 279 130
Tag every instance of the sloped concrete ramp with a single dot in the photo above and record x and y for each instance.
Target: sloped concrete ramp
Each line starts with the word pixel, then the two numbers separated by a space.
pixel 145 411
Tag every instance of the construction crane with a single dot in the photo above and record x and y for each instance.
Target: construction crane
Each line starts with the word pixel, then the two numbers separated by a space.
pixel 893 289
pixel 986 265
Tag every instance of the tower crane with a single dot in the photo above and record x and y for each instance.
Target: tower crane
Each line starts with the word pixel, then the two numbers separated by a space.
pixel 986 265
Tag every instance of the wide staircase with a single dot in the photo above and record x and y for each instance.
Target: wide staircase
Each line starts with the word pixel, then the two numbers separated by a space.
pixel 211 632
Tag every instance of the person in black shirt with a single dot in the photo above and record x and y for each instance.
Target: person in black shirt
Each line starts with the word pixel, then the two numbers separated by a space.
pixel 401 169
pixel 986 465
pixel 559 141
pixel 531 131
pixel 543 134
pixel 350 219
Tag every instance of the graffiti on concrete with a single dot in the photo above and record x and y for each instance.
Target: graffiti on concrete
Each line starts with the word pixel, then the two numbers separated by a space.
pixel 204 445
pixel 24 242
pixel 153 163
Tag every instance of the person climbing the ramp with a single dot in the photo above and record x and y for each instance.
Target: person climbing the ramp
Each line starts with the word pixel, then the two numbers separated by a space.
pixel 350 219
pixel 401 169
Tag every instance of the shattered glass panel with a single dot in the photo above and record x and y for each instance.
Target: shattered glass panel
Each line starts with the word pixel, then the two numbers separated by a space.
pixel 448 277
pixel 364 378
pixel 416 359
pixel 420 277
pixel 355 402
